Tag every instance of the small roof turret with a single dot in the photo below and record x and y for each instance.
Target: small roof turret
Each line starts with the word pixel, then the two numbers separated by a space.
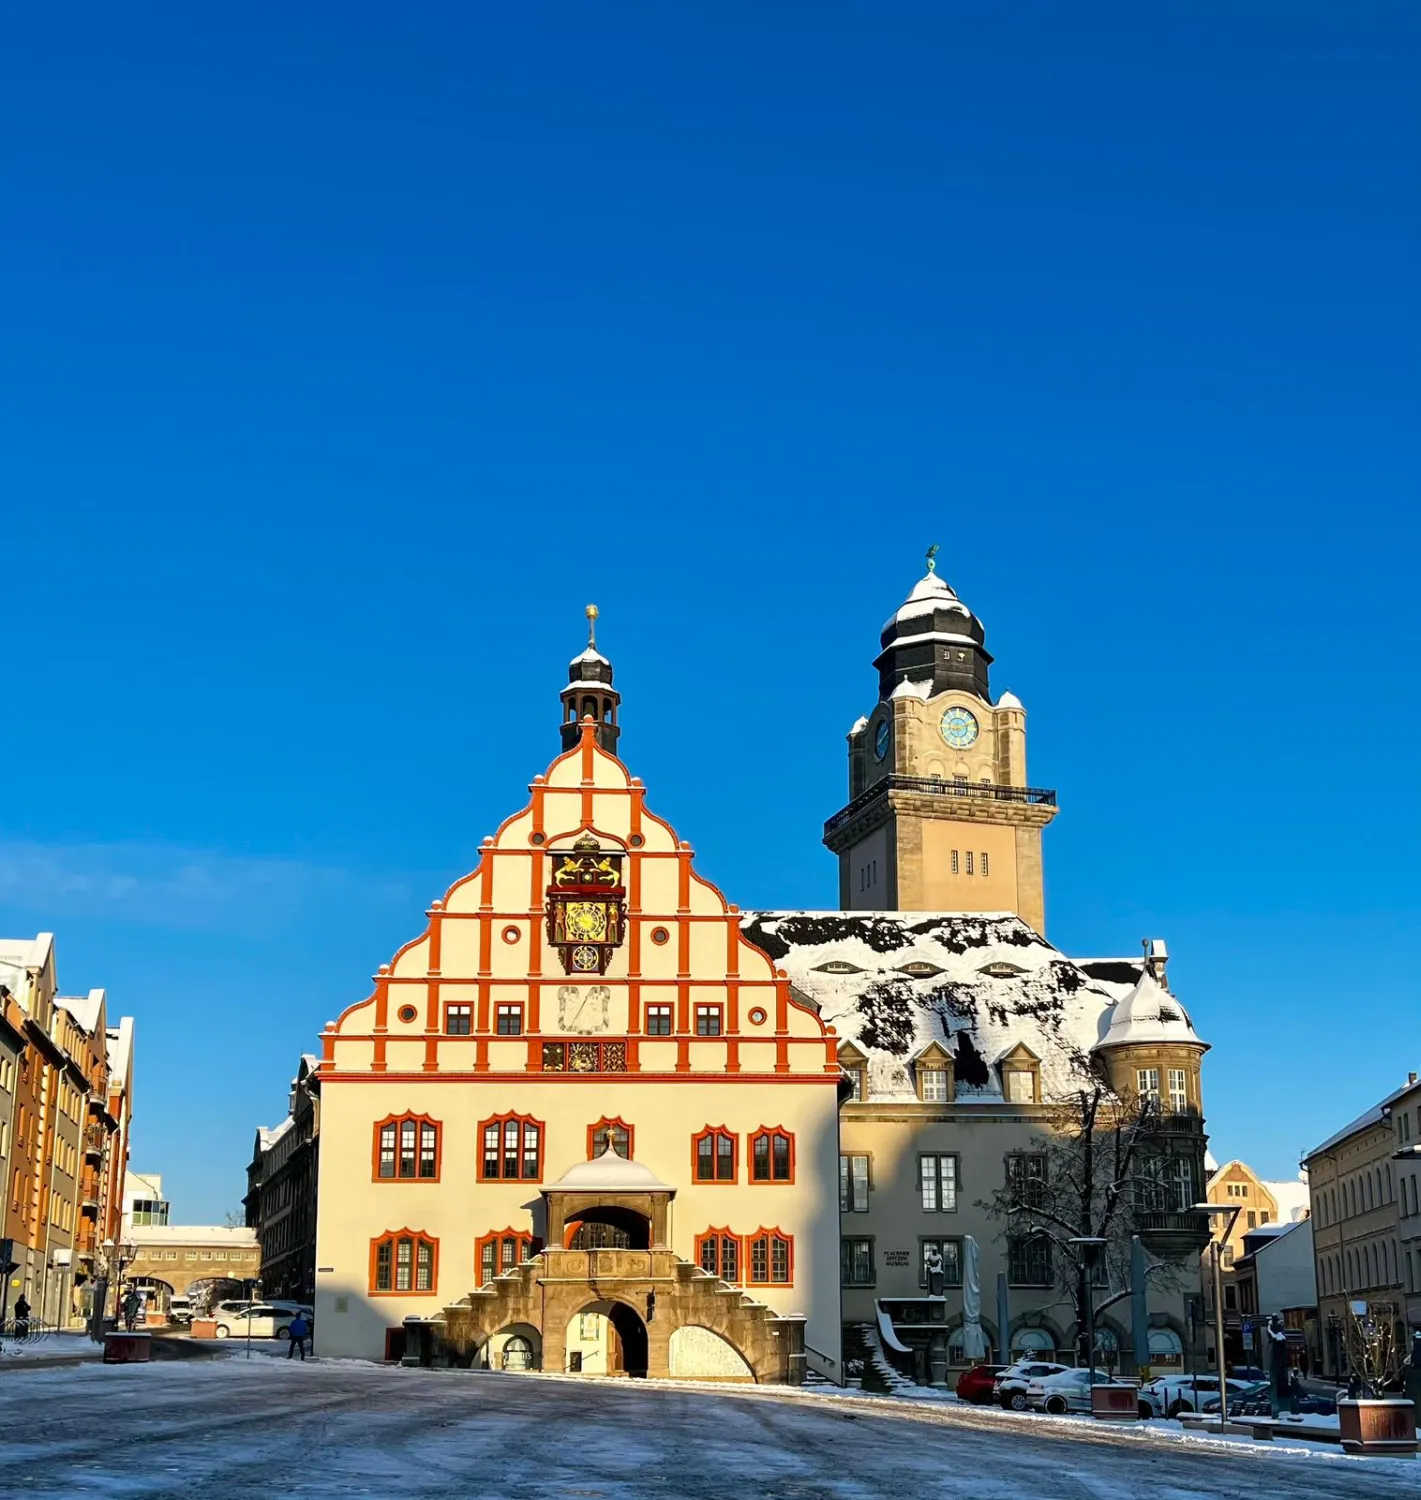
pixel 1149 1016
pixel 589 693
pixel 609 1173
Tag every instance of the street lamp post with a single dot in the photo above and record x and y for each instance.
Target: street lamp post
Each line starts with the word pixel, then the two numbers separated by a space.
pixel 1092 1246
pixel 1214 1210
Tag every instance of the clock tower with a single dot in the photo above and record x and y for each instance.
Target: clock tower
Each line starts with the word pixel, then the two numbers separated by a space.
pixel 940 816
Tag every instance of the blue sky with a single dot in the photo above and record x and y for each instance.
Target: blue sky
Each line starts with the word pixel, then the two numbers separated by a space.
pixel 349 352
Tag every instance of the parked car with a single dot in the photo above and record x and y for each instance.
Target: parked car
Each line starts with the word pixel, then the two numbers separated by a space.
pixel 1009 1388
pixel 1067 1391
pixel 261 1321
pixel 241 1304
pixel 1169 1395
pixel 1247 1372
pixel 1252 1401
pixel 978 1385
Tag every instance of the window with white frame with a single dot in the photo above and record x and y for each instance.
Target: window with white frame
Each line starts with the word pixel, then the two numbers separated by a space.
pixel 937 1182
pixel 1178 1090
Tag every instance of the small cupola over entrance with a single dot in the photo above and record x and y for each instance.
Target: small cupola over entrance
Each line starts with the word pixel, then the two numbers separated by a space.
pixel 589 694
pixel 608 1203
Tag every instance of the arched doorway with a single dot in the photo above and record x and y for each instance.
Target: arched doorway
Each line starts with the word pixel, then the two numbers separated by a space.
pixel 608 1229
pixel 629 1350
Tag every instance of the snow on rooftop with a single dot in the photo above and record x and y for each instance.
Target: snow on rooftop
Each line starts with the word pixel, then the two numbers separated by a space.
pixel 189 1234
pixel 907 689
pixel 1373 1116
pixel 84 1008
pixel 610 1173
pixel 1009 700
pixel 929 593
pixel 590 654
pixel 985 983
pixel 1149 1013
pixel 1292 1198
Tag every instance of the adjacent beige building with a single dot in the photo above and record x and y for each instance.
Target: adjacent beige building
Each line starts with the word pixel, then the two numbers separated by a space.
pixel 1357 1220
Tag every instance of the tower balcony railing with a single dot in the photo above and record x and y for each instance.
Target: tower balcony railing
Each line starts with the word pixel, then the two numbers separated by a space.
pixel 937 786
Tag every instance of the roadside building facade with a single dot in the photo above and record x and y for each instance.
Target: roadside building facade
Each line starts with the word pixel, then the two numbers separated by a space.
pixel 1357 1231
pixel 281 1196
pixel 169 1260
pixel 1405 1117
pixel 64 1148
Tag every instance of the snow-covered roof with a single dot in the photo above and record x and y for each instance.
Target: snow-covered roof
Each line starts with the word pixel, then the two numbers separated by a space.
pixel 910 689
pixel 1374 1116
pixel 267 1138
pixel 609 1173
pixel 929 593
pixel 1009 700
pixel 1149 1014
pixel 85 1009
pixel 191 1234
pixel 590 654
pixel 600 687
pixel 1292 1197
pixel 978 984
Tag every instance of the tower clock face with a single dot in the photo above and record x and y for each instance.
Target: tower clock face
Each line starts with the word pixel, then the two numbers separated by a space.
pixel 959 728
pixel 882 736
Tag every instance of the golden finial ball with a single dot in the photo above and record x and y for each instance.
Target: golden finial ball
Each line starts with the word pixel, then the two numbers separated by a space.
pixel 591 611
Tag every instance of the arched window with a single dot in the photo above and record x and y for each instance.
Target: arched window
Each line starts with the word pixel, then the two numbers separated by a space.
pixel 771 1256
pixel 713 1155
pixel 1166 1347
pixel 511 1149
pixel 404 1262
pixel 1032 1341
pixel 614 1133
pixel 500 1251
pixel 589 708
pixel 406 1149
pixel 517 1353
pixel 719 1252
pixel 772 1155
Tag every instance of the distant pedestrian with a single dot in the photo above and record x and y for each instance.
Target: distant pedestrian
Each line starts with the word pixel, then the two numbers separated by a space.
pixel 300 1331
pixel 22 1317
pixel 131 1303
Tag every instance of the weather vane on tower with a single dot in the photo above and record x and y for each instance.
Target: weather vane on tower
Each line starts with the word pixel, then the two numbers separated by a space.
pixel 932 558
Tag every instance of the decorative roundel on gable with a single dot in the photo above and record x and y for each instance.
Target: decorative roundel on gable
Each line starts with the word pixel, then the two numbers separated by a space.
pixel 882 738
pixel 660 935
pixel 511 934
pixel 407 1013
pixel 958 727
pixel 757 1016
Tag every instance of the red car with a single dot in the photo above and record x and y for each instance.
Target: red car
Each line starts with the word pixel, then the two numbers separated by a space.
pixel 976 1385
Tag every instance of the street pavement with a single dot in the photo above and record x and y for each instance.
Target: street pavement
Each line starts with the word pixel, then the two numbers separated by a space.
pixel 228 1426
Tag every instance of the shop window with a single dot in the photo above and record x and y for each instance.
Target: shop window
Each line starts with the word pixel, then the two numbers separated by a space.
pixel 407 1149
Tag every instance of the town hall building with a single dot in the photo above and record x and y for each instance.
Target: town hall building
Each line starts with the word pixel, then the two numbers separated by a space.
pixel 595 1118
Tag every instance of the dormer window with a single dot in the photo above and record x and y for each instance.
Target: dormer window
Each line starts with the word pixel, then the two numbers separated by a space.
pixel 933 1068
pixel 1021 1075
pixel 837 966
pixel 932 1083
pixel 855 1066
pixel 1021 1086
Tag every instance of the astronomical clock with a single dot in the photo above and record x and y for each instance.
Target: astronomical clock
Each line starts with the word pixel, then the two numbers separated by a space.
pixel 586 906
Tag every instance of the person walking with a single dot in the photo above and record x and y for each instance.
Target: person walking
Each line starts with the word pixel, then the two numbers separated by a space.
pixel 22 1317
pixel 300 1331
pixel 130 1308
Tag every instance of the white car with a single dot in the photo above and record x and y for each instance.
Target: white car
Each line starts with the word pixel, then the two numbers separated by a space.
pixel 1009 1388
pixel 1067 1391
pixel 1169 1395
pixel 261 1321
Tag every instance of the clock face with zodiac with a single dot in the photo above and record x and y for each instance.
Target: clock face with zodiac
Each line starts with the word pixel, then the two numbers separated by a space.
pixel 958 727
pixel 586 921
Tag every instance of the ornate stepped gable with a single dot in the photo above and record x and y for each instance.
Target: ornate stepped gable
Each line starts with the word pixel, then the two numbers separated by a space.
pixel 584 910
pixel 893 983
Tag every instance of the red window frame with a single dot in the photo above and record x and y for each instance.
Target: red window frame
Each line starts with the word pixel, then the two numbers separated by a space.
pixel 527 1127
pixel 774 1250
pixel 525 1246
pixel 386 1259
pixel 778 1153
pixel 466 1013
pixel 710 1012
pixel 508 1008
pixel 605 1124
pixel 722 1253
pixel 718 1134
pixel 421 1125
pixel 663 1012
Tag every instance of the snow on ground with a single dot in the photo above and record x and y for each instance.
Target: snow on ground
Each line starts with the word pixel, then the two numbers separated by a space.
pixel 227 1426
pixel 49 1346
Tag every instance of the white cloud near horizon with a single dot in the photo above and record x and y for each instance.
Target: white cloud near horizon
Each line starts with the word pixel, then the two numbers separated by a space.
pixel 161 885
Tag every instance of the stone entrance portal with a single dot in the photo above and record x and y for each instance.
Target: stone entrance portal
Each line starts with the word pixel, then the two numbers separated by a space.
pixel 607 1260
